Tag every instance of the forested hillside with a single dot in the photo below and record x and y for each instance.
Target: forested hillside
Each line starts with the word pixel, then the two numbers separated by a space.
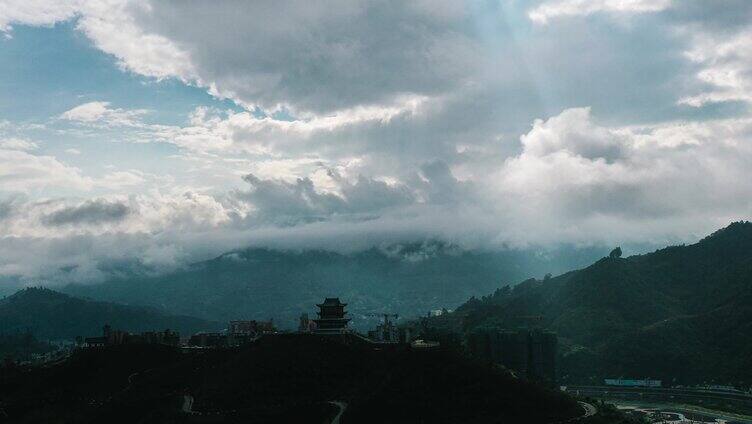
pixel 681 314
pixel 47 314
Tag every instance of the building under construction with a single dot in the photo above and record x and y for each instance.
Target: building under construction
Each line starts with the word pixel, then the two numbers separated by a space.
pixel 386 331
pixel 530 353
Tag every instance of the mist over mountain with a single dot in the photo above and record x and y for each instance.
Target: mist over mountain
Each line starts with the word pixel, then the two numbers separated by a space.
pixel 47 314
pixel 682 314
pixel 408 279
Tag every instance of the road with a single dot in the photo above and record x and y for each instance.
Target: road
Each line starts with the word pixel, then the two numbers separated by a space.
pixel 590 410
pixel 342 406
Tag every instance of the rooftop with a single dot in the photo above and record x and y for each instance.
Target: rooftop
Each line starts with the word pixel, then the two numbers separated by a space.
pixel 332 301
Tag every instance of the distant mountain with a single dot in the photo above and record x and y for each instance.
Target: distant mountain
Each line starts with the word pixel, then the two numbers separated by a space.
pixel 408 279
pixel 48 314
pixel 681 314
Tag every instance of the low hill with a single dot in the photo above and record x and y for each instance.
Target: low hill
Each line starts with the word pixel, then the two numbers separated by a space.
pixel 281 378
pixel 682 314
pixel 408 279
pixel 48 314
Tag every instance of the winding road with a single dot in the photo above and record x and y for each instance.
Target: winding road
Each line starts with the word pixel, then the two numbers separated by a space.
pixel 590 410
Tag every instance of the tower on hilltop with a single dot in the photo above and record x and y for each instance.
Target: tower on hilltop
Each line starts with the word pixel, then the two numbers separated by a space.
pixel 331 317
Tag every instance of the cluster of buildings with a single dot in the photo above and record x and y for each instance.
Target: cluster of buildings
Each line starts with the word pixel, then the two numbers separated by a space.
pixel 238 333
pixel 528 352
pixel 331 320
pixel 112 337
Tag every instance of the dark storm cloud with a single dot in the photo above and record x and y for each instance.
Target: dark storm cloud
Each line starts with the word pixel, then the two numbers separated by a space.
pixel 722 15
pixel 323 56
pixel 285 202
pixel 90 212
pixel 9 206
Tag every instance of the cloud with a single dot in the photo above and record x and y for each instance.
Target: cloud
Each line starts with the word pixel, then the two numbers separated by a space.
pixel 575 175
pixel 726 67
pixel 9 206
pixel 102 113
pixel 314 58
pixel 292 203
pixel 89 212
pixel 572 131
pixel 554 9
pixel 36 12
pixel 718 32
pixel 17 144
pixel 227 131
pixel 22 171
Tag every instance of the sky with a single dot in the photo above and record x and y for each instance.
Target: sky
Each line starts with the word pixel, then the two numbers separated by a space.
pixel 163 132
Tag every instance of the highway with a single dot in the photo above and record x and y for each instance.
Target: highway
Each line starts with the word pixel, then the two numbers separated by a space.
pixel 672 395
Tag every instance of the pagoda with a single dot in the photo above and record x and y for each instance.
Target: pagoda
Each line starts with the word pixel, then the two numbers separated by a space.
pixel 331 317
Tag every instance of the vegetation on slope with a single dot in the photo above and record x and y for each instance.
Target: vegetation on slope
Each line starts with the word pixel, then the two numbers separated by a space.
pixel 682 314
pixel 50 315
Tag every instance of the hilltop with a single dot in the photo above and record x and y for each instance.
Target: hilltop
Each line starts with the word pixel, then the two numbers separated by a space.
pixel 281 378
pixel 48 314
pixel 682 314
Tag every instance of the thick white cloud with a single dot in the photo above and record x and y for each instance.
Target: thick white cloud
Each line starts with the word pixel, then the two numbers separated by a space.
pixel 35 12
pixel 576 177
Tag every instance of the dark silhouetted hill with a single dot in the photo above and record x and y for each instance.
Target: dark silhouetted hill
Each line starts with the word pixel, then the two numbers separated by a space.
pixel 48 314
pixel 682 314
pixel 279 379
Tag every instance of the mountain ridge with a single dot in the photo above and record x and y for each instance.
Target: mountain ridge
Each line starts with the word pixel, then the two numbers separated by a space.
pixel 262 283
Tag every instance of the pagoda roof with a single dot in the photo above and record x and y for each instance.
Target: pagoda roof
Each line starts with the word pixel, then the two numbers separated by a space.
pixel 332 301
